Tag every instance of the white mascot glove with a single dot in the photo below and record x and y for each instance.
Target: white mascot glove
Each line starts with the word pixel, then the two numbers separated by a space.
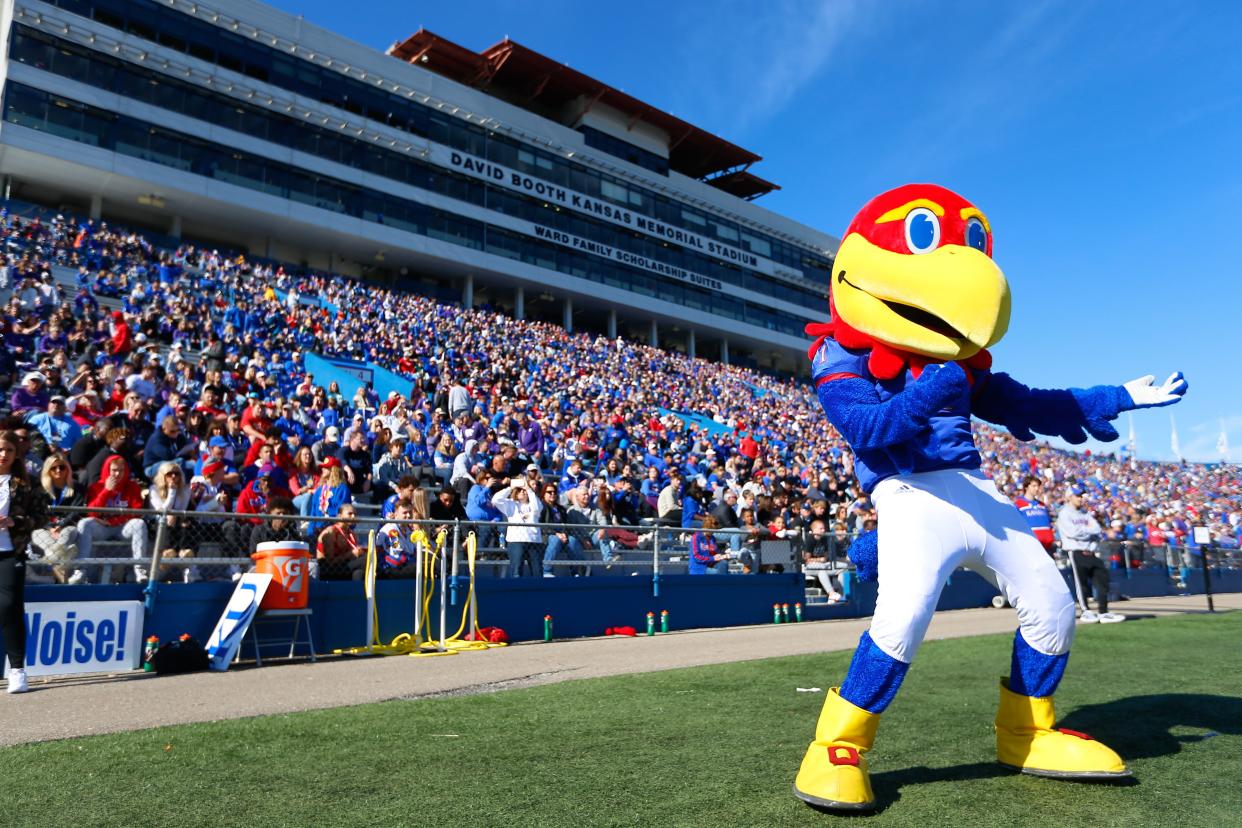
pixel 1146 394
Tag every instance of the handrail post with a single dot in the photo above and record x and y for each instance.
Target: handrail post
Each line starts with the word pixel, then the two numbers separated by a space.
pixel 456 545
pixel 443 598
pixel 474 605
pixel 419 552
pixel 655 564
pixel 1207 576
pixel 153 573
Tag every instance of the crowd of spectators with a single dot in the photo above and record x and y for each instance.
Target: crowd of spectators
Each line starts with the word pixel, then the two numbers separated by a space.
pixel 192 395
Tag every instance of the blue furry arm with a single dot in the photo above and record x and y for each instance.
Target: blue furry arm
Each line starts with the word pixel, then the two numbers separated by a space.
pixel 866 423
pixel 864 553
pixel 1070 413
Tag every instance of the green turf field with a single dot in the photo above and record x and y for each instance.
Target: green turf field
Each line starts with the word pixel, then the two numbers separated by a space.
pixel 710 746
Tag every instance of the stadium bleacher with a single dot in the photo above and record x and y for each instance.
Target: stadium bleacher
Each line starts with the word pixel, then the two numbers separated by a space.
pixel 720 427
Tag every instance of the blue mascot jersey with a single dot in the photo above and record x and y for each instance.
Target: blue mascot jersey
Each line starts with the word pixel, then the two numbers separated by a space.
pixel 945 443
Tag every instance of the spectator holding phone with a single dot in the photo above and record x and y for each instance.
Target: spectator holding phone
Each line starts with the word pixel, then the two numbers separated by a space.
pixel 522 537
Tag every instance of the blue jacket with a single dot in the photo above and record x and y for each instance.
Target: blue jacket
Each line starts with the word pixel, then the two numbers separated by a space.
pixel 691 513
pixel 907 425
pixel 479 504
pixel 702 554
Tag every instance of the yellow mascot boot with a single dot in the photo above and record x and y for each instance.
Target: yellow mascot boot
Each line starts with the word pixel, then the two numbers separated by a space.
pixel 834 771
pixel 1026 741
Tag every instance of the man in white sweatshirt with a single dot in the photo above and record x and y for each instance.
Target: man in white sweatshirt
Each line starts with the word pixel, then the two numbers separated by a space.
pixel 1080 533
pixel 523 539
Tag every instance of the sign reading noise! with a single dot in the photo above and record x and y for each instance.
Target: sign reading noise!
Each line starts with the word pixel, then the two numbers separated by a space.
pixel 83 637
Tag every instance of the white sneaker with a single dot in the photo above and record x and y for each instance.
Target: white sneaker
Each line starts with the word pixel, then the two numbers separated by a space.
pixel 1089 617
pixel 18 682
pixel 1111 618
pixel 78 577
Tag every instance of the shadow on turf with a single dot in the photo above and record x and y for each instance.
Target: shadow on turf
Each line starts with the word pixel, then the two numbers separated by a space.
pixel 1139 727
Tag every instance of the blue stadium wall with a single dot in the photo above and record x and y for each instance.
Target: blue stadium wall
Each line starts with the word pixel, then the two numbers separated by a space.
pixel 579 607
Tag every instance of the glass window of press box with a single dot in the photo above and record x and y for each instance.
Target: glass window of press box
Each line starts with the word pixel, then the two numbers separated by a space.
pixel 141 83
pixel 213 44
pixel 90 125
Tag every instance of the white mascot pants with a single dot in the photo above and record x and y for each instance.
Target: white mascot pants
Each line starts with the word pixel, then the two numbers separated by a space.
pixel 930 523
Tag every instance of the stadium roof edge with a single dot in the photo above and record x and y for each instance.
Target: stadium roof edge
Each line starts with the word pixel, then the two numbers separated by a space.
pixel 525 78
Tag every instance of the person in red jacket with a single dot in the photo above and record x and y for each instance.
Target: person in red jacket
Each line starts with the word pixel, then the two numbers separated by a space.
pixel 115 489
pixel 122 338
pixel 747 447
pixel 254 498
pixel 281 457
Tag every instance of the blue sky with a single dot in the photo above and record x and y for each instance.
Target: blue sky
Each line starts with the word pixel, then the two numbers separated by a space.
pixel 1102 140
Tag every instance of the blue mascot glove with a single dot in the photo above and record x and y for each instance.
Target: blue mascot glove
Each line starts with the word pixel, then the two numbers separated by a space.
pixel 937 386
pixel 864 553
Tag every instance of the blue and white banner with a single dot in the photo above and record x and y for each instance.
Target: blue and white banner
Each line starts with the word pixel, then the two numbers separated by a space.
pixel 350 374
pixel 232 626
pixel 82 637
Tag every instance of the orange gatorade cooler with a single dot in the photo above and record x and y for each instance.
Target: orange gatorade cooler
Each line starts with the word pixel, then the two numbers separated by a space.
pixel 286 562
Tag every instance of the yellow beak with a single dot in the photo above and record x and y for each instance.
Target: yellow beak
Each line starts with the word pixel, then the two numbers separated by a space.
pixel 948 304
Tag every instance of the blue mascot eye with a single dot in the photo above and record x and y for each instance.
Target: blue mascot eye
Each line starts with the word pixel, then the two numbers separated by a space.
pixel 976 235
pixel 922 230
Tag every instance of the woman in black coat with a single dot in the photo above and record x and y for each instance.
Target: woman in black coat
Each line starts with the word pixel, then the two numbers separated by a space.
pixel 23 509
pixel 59 543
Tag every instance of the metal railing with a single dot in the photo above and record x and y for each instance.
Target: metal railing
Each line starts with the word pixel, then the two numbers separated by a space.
pixel 99 545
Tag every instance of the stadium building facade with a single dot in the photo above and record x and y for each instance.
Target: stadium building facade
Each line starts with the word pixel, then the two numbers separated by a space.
pixel 500 177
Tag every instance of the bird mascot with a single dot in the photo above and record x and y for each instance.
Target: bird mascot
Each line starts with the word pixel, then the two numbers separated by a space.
pixel 900 369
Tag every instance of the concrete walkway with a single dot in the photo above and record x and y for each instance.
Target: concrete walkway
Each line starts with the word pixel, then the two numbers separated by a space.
pixel 69 707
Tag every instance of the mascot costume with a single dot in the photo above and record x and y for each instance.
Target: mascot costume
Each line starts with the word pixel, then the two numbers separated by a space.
pixel 900 369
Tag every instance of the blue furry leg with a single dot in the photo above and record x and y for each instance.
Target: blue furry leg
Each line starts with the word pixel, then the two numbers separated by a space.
pixel 1031 673
pixel 874 677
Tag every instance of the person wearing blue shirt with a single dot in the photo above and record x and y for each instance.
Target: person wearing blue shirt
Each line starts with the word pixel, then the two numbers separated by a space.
pixel 573 476
pixel 691 508
pixel 480 510
pixel 58 428
pixel 615 436
pixel 217 450
pixel 288 424
pixel 405 491
pixel 167 445
pixel 234 317
pixel 479 506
